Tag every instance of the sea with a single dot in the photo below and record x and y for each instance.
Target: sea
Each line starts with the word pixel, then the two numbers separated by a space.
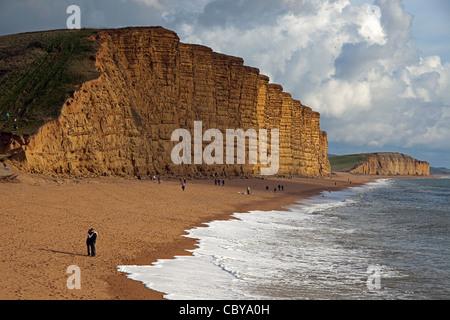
pixel 385 240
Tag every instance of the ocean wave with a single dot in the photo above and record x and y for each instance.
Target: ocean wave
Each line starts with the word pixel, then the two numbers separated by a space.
pixel 320 247
pixel 328 200
pixel 221 262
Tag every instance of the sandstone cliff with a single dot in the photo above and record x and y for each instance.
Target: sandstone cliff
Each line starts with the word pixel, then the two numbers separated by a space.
pixel 151 84
pixel 392 164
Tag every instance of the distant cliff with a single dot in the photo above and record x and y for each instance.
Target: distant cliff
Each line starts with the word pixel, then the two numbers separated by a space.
pixel 151 84
pixel 392 164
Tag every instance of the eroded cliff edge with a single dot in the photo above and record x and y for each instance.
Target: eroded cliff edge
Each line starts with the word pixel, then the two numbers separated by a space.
pixel 152 84
pixel 388 163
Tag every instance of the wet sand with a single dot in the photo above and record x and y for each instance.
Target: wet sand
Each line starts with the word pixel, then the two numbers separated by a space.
pixel 44 222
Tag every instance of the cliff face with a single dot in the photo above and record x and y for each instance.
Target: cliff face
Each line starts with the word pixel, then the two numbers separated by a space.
pixel 393 164
pixel 152 84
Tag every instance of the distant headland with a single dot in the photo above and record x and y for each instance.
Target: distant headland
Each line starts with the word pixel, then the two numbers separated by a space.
pixel 382 163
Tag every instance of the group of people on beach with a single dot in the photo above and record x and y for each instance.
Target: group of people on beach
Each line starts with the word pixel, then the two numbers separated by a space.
pixel 152 178
pixel 218 182
pixel 92 234
pixel 280 188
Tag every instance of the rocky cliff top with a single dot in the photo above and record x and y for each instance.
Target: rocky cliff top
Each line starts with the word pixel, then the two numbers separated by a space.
pixel 380 163
pixel 149 85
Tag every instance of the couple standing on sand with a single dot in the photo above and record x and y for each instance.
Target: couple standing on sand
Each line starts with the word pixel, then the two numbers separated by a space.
pixel 90 242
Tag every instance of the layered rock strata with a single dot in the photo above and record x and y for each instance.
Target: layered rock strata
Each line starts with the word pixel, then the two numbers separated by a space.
pixel 392 164
pixel 152 84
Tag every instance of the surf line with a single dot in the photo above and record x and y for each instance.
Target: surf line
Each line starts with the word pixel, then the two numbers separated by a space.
pixel 213 153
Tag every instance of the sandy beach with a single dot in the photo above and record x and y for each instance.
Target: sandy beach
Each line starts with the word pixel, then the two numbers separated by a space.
pixel 44 222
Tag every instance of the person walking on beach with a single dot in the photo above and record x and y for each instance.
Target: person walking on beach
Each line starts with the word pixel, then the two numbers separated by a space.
pixel 183 186
pixel 90 242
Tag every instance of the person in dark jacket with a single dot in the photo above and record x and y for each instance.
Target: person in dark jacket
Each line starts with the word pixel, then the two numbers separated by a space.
pixel 90 242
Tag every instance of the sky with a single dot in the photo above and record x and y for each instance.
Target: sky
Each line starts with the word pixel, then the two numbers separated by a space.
pixel 377 71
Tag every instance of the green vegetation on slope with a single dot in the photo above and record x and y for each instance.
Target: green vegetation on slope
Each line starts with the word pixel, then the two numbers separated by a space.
pixel 39 71
pixel 347 162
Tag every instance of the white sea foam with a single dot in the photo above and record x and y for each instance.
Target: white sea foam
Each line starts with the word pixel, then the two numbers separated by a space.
pixel 263 255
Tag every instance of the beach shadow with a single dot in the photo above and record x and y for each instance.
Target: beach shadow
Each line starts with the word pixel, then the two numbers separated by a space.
pixel 70 253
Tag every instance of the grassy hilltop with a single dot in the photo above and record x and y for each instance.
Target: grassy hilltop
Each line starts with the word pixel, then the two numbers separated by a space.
pixel 347 162
pixel 38 72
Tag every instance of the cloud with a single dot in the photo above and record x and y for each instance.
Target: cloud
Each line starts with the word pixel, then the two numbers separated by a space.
pixel 356 64
pixel 150 3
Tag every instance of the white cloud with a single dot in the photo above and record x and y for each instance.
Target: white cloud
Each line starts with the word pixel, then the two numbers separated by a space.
pixel 357 65
pixel 151 3
pixel 371 29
